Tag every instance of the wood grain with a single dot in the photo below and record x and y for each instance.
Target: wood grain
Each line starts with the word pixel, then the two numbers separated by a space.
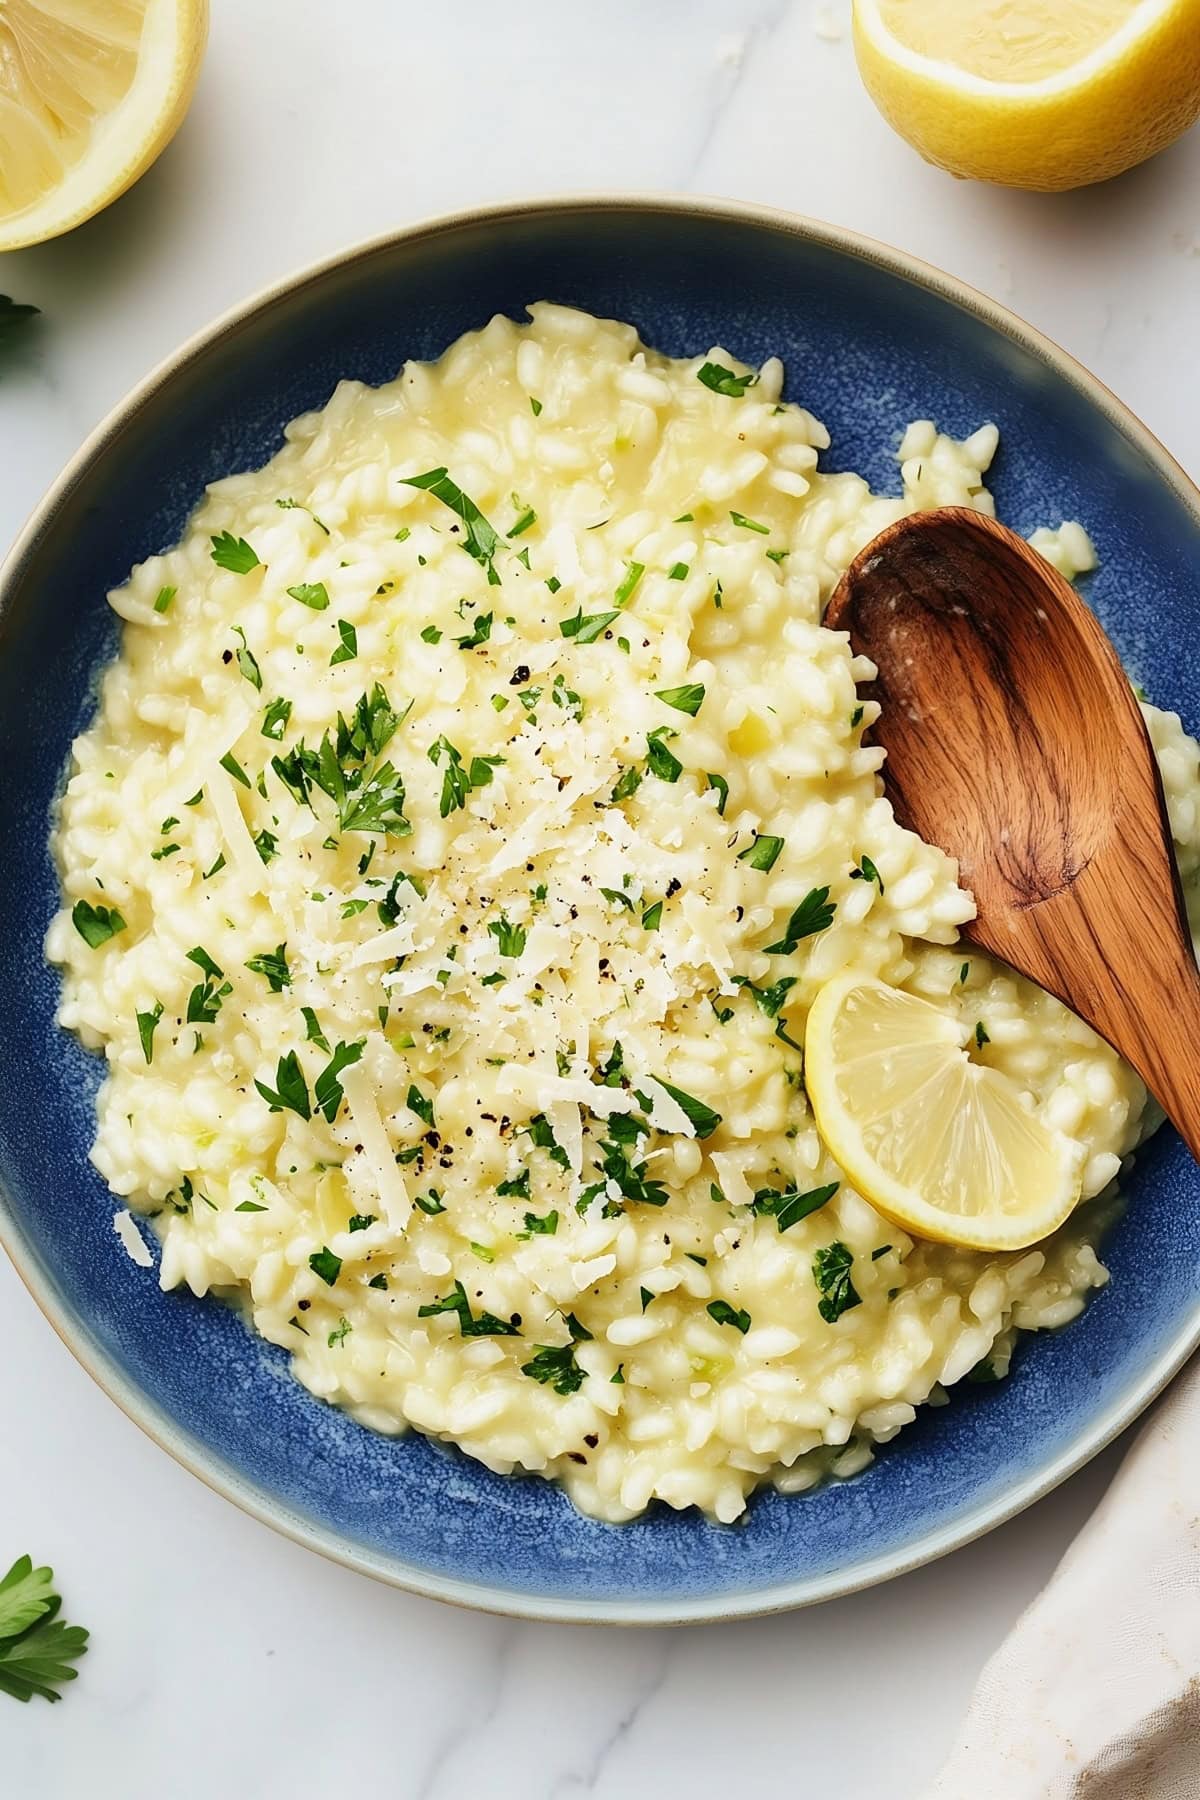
pixel 1014 741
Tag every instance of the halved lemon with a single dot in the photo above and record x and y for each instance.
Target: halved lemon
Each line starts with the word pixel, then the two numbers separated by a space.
pixel 1044 94
pixel 91 91
pixel 946 1147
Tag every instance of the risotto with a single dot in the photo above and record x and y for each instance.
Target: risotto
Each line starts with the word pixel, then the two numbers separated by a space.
pixel 470 818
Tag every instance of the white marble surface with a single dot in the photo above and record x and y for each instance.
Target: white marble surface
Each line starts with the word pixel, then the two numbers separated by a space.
pixel 225 1659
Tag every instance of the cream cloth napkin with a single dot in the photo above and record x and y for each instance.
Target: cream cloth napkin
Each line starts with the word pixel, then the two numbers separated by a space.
pixel 1095 1694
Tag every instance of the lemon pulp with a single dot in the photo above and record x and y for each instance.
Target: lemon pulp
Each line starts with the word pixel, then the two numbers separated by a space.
pixel 943 1145
pixel 1005 40
pixel 90 92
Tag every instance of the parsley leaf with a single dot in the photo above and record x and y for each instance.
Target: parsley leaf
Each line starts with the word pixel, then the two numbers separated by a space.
pixel 789 1206
pixel 723 381
pixel 246 661
pixel 866 871
pixel 586 630
pixel 481 540
pixel 96 924
pixel 234 554
pixel 831 1272
pixel 423 1107
pixel 36 1647
pixel 378 805
pixel 629 783
pixel 687 699
pixel 555 1366
pixel 633 574
pixel 347 648
pixel 510 939
pixel 291 1089
pixel 652 917
pixel 724 1314
pixel 275 719
pixel 541 1227
pixel 480 634
pixel 205 999
pixel 721 788
pixel 327 1091
pixel 661 761
pixel 486 1325
pixel 313 594
pixel 324 1263
pixel 146 1024
pixel 763 853
pixel 770 999
pixel 814 913
pixel 702 1117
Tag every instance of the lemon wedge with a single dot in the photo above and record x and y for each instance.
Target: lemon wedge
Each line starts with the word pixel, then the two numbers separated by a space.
pixel 1043 94
pixel 944 1146
pixel 90 92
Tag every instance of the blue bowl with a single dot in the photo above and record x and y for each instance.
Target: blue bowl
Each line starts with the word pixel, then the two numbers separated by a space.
pixel 870 340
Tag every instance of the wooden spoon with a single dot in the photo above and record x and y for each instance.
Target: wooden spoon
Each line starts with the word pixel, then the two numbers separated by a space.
pixel 1014 741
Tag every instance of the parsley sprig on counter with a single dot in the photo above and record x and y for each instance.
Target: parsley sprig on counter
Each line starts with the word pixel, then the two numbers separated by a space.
pixel 37 1648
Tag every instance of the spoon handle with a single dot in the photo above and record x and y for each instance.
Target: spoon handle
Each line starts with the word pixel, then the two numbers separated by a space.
pixel 1130 974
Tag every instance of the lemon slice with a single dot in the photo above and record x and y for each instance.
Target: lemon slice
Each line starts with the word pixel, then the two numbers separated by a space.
pixel 944 1146
pixel 90 92
pixel 1033 93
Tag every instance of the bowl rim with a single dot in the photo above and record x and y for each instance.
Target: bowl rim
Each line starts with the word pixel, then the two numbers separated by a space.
pixel 153 1419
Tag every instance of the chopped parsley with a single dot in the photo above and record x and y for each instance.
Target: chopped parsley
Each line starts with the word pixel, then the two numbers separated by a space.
pixel 981 1036
pixel 234 554
pixel 265 842
pixel 458 781
pixel 629 581
pixel 720 787
pixel 629 783
pixel 246 661
pixel 769 1000
pixel 555 1366
pixel 324 1263
pixel 206 998
pixel 517 1187
pixel 480 633
pixel 652 917
pixel 866 871
pixel 290 1091
pixel 724 1314
pixel 347 648
pixel 510 939
pixel 431 635
pixel 541 1134
pixel 538 1227
pixel 233 767
pixel 146 1023
pixel 340 1332
pixel 831 1272
pixel 96 924
pixel 586 630
pixel 486 1325
pixel 814 913
pixel 763 853
pixel 526 517
pixel 687 699
pixel 481 540
pixel 431 1203
pixel 275 719
pixel 312 594
pixel 535 406
pixel 746 524
pixel 702 1117
pixel 856 718
pixel 678 572
pixel 659 760
pixel 723 381
pixel 788 1206
pixel 419 1104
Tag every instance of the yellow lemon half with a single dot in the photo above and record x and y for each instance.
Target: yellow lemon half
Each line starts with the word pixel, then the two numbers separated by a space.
pixel 1044 94
pixel 91 91
pixel 946 1147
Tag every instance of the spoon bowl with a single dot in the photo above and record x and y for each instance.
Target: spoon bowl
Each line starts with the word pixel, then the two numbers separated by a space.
pixel 1016 744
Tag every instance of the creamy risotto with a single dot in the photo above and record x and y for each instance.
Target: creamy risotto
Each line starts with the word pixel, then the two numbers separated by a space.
pixel 474 809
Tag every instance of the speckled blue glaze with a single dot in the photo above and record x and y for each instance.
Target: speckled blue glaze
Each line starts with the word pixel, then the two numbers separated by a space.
pixel 870 341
